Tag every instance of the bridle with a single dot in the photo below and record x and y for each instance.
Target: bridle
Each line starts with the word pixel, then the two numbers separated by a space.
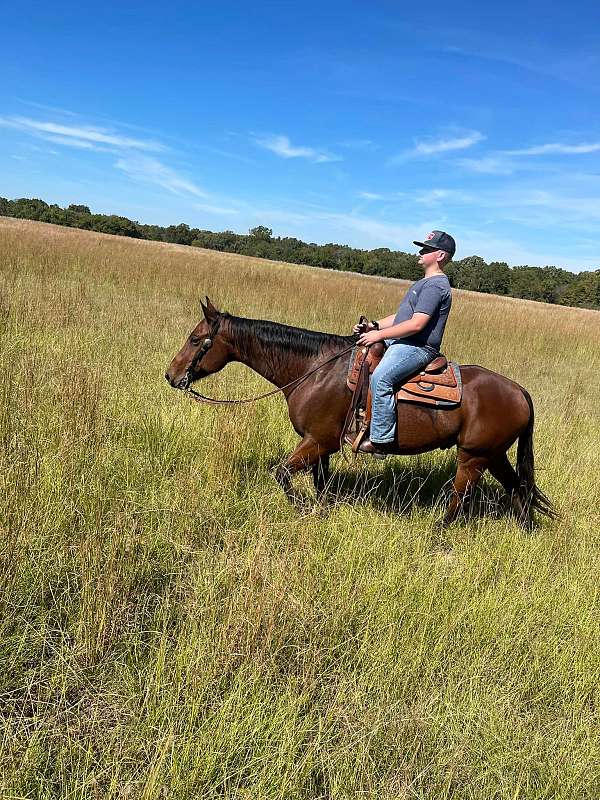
pixel 205 347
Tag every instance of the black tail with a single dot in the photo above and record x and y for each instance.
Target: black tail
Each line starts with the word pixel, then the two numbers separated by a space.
pixel 533 497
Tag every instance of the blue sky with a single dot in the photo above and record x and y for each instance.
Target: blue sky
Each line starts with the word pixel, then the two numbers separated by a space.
pixel 361 123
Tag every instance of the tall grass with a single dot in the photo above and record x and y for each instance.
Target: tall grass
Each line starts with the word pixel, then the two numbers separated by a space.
pixel 171 628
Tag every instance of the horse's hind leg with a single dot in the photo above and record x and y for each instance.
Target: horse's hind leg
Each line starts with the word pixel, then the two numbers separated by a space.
pixel 469 470
pixel 308 454
pixel 504 472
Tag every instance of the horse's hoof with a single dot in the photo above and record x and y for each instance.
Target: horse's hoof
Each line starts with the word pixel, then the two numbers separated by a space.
pixel 320 510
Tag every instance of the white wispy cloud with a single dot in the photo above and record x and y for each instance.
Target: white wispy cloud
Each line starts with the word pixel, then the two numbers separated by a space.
pixel 487 165
pixel 358 144
pixel 147 169
pixel 370 196
pixel 356 229
pixel 499 248
pixel 79 144
pixel 434 147
pixel 556 148
pixel 282 146
pixel 580 68
pixel 560 207
pixel 506 162
pixel 132 153
pixel 431 197
pixel 212 209
pixel 44 107
pixel 68 134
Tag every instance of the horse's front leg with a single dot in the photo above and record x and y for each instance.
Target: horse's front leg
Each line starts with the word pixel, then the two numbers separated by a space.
pixel 308 454
pixel 321 473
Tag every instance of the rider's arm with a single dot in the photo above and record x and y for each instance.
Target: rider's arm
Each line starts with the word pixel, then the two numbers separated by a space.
pixel 386 321
pixel 428 303
pixel 375 324
pixel 407 328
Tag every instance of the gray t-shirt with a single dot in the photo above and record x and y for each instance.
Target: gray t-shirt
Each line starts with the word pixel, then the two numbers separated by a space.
pixel 428 296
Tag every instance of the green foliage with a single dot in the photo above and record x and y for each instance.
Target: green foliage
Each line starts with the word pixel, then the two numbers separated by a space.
pixel 545 284
pixel 497 278
pixel 539 283
pixel 474 274
pixel 583 291
pixel 79 209
pixel 261 232
pixel 179 234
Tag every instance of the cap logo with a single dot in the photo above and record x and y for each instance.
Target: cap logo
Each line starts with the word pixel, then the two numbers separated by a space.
pixel 430 236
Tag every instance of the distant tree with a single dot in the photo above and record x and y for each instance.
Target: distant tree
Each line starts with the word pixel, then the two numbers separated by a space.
pixel 354 260
pixel 555 281
pixel 261 232
pixel 539 283
pixel 153 232
pixel 178 234
pixel 468 273
pixel 583 291
pixel 120 226
pixel 474 274
pixel 24 208
pixel 79 209
pixel 496 278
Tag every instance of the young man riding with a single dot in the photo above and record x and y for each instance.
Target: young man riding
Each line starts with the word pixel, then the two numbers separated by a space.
pixel 413 335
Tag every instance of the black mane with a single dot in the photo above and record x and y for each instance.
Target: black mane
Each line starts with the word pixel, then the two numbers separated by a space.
pixel 277 336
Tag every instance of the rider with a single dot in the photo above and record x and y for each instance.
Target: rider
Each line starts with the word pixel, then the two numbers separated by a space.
pixel 413 335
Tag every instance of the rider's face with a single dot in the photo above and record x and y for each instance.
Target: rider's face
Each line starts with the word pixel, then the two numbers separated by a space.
pixel 429 257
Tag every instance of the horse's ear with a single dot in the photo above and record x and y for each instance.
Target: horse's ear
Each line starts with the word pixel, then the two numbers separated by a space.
pixel 209 311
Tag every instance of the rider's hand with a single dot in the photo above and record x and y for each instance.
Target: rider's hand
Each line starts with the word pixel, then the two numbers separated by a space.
pixel 370 337
pixel 362 327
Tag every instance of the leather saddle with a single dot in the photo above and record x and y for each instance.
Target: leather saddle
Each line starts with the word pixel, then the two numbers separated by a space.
pixel 438 385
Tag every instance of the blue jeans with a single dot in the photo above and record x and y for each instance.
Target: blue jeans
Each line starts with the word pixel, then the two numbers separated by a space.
pixel 399 361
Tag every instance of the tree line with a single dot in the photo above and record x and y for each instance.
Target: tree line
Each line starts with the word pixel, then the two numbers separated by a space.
pixel 546 284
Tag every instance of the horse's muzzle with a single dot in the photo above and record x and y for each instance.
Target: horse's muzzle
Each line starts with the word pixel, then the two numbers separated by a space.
pixel 182 383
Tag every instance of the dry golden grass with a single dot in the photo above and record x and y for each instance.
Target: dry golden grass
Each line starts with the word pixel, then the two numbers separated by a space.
pixel 172 628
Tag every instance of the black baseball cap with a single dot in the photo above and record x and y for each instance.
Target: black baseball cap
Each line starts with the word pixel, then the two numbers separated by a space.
pixel 439 240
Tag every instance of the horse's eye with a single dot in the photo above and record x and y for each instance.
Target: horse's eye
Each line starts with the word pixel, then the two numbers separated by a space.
pixel 195 340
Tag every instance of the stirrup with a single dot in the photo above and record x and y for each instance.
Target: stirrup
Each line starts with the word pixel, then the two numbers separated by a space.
pixel 359 437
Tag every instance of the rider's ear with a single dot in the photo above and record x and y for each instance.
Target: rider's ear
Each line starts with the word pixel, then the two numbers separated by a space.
pixel 209 311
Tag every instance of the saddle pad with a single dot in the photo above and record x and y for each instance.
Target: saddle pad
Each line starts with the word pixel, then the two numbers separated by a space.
pixel 443 390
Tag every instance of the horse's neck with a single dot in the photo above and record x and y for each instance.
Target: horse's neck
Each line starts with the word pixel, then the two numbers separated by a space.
pixel 274 362
pixel 279 368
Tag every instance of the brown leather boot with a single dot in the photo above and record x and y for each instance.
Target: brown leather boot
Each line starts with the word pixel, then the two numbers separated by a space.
pixel 380 449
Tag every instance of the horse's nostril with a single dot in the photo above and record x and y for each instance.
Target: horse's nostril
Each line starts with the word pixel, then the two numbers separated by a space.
pixel 167 377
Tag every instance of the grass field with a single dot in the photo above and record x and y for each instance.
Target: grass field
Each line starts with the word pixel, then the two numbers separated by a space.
pixel 171 628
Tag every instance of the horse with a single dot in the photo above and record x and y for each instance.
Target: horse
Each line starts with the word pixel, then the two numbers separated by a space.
pixel 494 412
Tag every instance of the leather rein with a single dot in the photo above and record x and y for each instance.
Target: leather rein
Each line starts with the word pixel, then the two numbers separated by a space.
pixel 207 344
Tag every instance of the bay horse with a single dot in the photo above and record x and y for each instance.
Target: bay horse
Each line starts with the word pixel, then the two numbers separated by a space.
pixel 494 413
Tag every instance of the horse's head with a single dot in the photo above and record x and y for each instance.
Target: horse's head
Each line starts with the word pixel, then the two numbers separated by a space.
pixel 204 351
